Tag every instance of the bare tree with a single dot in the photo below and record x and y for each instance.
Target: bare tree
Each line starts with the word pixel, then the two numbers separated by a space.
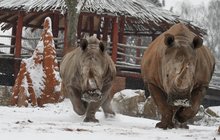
pixel 213 26
pixel 74 8
pixel 72 21
pixel 206 18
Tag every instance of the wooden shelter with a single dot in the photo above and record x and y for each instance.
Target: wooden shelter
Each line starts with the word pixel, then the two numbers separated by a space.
pixel 114 19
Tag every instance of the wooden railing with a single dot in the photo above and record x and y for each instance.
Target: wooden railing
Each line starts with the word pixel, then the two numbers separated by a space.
pixel 126 63
pixel 58 42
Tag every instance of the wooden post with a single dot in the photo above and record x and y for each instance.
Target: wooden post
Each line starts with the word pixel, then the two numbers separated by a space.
pixel 91 25
pixel 121 38
pixel 18 42
pixel 122 30
pixel 115 39
pixel 99 28
pixel 105 29
pixel 13 39
pixel 79 29
pixel 55 26
pixel 19 35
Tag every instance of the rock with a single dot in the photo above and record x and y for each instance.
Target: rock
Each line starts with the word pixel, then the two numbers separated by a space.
pixel 5 95
pixel 150 109
pixel 199 116
pixel 211 112
pixel 128 102
pixel 134 103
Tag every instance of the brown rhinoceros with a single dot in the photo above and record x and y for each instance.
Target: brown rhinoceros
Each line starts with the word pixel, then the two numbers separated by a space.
pixel 177 69
pixel 87 74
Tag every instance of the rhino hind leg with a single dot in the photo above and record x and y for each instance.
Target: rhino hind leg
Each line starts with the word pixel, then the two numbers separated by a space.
pixel 165 109
pixel 186 113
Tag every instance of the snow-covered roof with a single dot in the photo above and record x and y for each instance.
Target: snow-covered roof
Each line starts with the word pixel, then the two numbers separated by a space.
pixel 33 5
pixel 142 10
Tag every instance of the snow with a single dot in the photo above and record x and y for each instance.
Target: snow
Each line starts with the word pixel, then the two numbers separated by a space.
pixel 5 40
pixel 127 93
pixel 60 122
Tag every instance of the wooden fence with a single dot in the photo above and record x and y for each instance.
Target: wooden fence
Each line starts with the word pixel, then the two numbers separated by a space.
pixel 127 63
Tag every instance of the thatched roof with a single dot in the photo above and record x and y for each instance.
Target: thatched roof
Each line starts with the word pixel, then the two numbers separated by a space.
pixel 142 12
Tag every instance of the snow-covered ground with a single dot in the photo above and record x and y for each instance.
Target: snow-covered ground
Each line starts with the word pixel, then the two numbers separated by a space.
pixel 60 122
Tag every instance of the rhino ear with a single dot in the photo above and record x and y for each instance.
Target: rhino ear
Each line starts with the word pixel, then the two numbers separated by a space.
pixel 83 44
pixel 197 42
pixel 169 40
pixel 102 46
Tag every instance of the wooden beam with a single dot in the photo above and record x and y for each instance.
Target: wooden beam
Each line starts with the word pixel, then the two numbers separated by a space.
pixel 40 19
pixel 30 17
pixel 122 29
pixel 13 40
pixel 19 35
pixel 91 25
pixel 7 16
pixel 99 28
pixel 105 29
pixel 121 34
pixel 115 39
pixel 55 26
pixel 79 26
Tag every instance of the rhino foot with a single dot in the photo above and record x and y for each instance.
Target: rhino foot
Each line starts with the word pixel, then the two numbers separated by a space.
pixel 109 114
pixel 181 125
pixel 91 119
pixel 165 125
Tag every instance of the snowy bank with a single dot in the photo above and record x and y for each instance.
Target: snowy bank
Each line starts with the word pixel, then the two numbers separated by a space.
pixel 60 122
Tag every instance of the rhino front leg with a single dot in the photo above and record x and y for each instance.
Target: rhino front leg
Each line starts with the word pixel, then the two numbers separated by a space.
pixel 79 106
pixel 186 113
pixel 107 108
pixel 90 112
pixel 106 105
pixel 165 109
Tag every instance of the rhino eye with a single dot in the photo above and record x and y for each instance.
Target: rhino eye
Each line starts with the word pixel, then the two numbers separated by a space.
pixel 169 40
pixel 197 42
pixel 83 44
pixel 102 46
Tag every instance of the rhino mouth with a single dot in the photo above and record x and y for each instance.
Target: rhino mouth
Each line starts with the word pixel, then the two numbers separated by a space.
pixel 184 101
pixel 92 96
